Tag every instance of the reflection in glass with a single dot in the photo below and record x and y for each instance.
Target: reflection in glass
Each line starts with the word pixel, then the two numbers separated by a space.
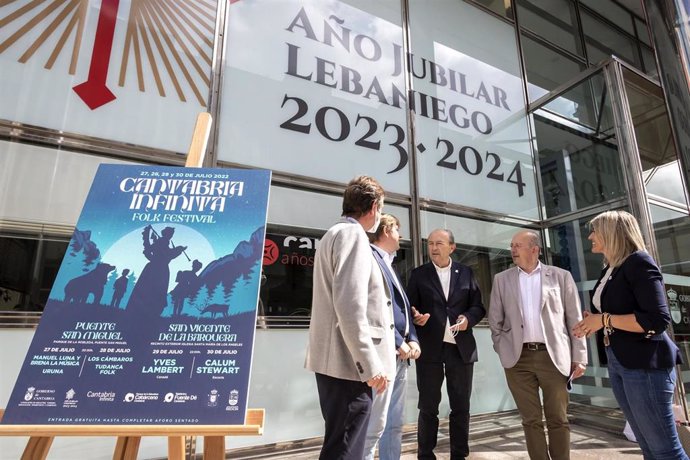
pixel 603 41
pixel 642 32
pixel 28 268
pixel 125 71
pixel 553 20
pixel 649 62
pixel 612 12
pixel 502 7
pixel 485 262
pixel 286 285
pixel 484 246
pixel 660 165
pixel 672 232
pixel 577 170
pixel 546 69
pixel 587 104
pixel 569 248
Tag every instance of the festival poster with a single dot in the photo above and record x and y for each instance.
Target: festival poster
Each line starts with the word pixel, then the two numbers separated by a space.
pixel 151 318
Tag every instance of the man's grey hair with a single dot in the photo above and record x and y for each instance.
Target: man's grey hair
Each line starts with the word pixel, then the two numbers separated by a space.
pixel 451 237
pixel 534 238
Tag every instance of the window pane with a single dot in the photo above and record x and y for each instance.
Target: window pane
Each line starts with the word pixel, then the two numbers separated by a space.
pixel 642 32
pixel 317 211
pixel 603 41
pixel 587 104
pixel 52 253
pixel 577 171
pixel 649 62
pixel 16 271
pixel 546 69
pixel 672 231
pixel 20 289
pixel 569 249
pixel 144 84
pixel 286 285
pixel 612 12
pixel 553 20
pixel 469 110
pixel 501 7
pixel 661 171
pixel 316 88
pixel 484 246
pixel 54 182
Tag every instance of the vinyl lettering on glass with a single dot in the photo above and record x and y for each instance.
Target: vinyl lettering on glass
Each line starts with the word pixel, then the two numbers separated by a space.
pixel 320 92
pixel 474 148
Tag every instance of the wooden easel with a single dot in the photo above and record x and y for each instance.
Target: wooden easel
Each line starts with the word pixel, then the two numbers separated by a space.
pixel 129 436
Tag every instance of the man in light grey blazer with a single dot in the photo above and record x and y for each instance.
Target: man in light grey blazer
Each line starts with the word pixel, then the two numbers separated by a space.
pixel 533 310
pixel 351 334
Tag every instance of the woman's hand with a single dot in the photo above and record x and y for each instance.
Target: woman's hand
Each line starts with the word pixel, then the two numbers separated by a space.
pixel 588 326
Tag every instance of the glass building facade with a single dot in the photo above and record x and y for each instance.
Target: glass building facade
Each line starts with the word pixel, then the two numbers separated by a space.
pixel 482 116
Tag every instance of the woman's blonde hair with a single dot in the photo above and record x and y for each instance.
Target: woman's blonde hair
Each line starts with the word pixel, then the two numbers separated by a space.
pixel 620 233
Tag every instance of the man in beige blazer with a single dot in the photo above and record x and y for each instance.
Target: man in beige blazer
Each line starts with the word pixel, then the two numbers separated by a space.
pixel 351 334
pixel 533 310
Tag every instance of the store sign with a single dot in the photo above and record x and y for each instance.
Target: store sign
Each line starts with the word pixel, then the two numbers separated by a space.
pixel 125 71
pixel 289 250
pixel 288 265
pixel 151 318
pixel 321 92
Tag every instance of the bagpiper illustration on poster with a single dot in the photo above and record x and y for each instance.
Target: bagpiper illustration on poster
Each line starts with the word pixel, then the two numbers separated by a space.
pixel 151 317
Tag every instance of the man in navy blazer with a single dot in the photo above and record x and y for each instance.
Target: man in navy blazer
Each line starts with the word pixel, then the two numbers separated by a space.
pixel 387 411
pixel 446 305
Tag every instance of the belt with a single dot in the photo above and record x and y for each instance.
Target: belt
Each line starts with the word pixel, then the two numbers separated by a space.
pixel 534 346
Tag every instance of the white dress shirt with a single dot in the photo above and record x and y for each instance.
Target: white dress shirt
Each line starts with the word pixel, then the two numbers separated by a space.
pixel 596 298
pixel 444 277
pixel 530 294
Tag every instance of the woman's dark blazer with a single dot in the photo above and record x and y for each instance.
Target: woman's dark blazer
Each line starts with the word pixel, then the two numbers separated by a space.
pixel 636 286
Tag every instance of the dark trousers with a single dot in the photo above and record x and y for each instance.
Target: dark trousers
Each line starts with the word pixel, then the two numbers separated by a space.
pixel 345 406
pixel 430 377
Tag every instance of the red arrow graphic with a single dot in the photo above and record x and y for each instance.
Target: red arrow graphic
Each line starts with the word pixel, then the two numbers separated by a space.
pixel 93 91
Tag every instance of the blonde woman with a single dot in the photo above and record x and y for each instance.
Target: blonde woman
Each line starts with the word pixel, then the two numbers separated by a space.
pixel 634 316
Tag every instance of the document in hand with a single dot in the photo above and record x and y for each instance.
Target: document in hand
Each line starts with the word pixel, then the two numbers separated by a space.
pixel 569 383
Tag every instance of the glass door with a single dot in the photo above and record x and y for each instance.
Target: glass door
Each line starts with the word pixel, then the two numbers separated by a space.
pixel 603 142
pixel 667 198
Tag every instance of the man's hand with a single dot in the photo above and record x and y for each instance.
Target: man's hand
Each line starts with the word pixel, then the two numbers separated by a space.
pixel 404 351
pixel 461 324
pixel 418 319
pixel 415 351
pixel 577 370
pixel 378 383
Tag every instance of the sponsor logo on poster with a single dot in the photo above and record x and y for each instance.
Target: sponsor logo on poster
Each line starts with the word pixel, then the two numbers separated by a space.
pixel 213 398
